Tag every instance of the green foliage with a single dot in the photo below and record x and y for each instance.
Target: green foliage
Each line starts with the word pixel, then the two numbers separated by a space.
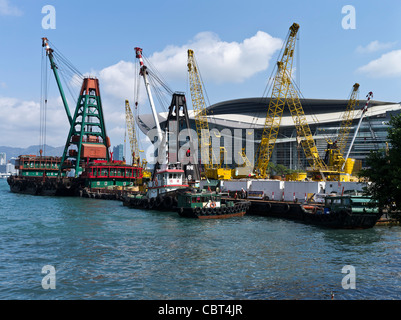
pixel 384 170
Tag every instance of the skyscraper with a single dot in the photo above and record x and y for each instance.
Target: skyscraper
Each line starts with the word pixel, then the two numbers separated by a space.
pixel 118 152
pixel 3 159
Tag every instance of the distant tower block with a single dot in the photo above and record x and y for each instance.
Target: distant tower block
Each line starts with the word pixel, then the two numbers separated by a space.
pixel 87 139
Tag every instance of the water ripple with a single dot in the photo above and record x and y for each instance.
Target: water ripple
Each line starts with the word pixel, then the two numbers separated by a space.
pixel 103 250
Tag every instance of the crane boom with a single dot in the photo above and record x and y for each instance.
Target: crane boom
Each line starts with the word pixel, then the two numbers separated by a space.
pixel 200 114
pixel 365 108
pixel 335 150
pixel 303 130
pixel 277 103
pixel 284 93
pixel 49 53
pixel 347 119
pixel 144 73
pixel 131 133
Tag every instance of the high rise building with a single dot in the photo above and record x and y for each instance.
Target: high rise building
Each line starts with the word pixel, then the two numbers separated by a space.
pixel 118 152
pixel 3 159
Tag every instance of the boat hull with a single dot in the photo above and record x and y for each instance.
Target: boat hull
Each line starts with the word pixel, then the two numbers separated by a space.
pixel 296 212
pixel 49 187
pixel 342 220
pixel 238 210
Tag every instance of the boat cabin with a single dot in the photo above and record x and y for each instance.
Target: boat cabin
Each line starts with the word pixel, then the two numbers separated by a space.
pixel 170 176
pixel 102 174
pixel 37 166
pixel 354 203
pixel 201 200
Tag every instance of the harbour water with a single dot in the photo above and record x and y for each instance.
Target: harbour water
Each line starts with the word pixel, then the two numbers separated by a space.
pixel 103 250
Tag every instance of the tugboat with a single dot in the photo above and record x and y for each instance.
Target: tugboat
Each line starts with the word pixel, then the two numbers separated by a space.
pixel 162 189
pixel 345 212
pixel 209 205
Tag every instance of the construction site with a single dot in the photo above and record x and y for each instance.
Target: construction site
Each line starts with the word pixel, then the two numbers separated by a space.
pixel 267 148
pixel 296 154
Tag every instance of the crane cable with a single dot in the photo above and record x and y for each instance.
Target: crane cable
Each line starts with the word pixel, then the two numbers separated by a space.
pixel 43 103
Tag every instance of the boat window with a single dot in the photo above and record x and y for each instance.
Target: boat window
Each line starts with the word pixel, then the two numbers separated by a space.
pixel 170 176
pixel 174 176
pixel 337 201
pixel 346 201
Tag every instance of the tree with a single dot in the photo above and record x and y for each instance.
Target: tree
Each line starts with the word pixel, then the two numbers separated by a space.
pixel 384 170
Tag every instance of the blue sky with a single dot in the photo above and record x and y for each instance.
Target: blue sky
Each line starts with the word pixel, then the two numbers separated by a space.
pixel 236 44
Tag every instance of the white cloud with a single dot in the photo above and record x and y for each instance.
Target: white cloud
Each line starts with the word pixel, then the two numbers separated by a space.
pixel 388 65
pixel 20 122
pixel 8 10
pixel 118 79
pixel 219 62
pixel 375 46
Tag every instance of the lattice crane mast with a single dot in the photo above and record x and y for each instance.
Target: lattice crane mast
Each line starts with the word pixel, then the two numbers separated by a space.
pixel 364 110
pixel 129 118
pixel 335 150
pixel 211 164
pixel 284 93
pixel 347 119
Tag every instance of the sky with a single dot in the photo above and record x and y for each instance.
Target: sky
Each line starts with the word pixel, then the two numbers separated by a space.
pixel 236 45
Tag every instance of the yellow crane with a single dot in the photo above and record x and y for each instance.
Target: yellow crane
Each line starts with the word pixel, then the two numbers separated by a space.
pixel 285 94
pixel 130 122
pixel 212 164
pixel 335 149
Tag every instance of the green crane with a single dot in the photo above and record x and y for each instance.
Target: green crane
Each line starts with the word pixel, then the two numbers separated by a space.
pixel 87 140
pixel 49 53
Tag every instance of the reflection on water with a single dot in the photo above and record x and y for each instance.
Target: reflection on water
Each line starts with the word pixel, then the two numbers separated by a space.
pixel 103 250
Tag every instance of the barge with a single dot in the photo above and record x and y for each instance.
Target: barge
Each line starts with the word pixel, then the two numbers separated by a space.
pixel 339 212
pixel 39 175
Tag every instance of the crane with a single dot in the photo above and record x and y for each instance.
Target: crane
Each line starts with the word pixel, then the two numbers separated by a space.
pixel 133 140
pixel 129 118
pixel 87 138
pixel 335 149
pixel 169 145
pixel 364 109
pixel 49 53
pixel 212 164
pixel 144 74
pixel 284 93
